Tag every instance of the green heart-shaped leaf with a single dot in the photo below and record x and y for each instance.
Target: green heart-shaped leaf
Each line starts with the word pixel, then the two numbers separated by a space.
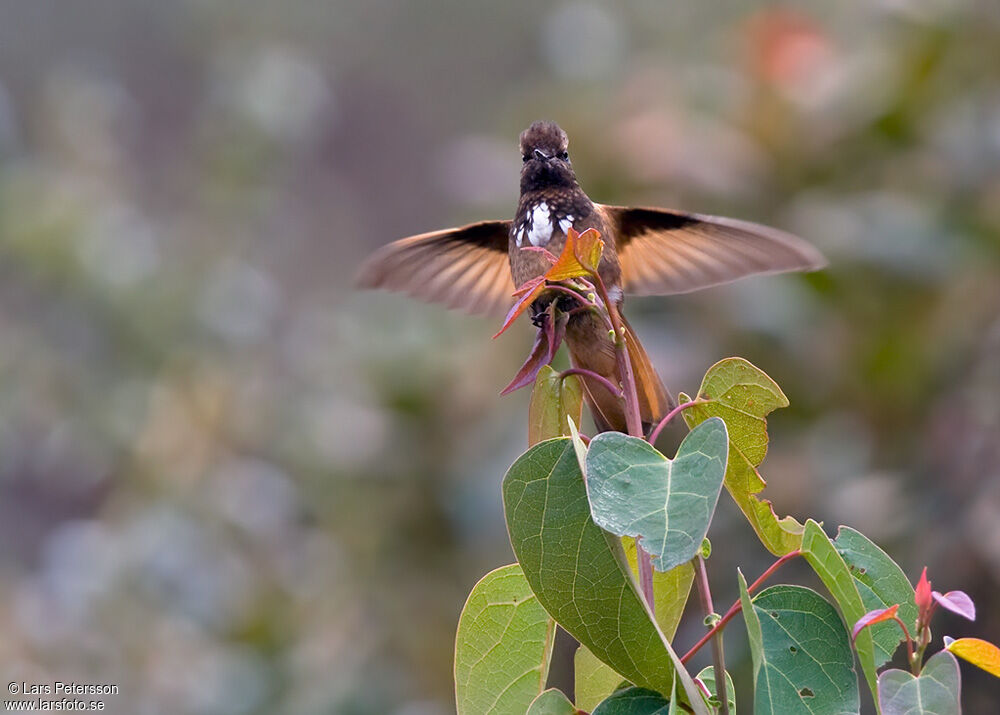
pixel 802 660
pixel 503 646
pixel 743 395
pixel 579 573
pixel 667 504
pixel 936 691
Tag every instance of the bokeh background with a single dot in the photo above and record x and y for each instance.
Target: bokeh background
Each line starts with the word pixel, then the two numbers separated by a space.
pixel 230 484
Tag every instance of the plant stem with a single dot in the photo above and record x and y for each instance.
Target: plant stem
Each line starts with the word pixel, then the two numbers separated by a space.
pixel 593 376
pixel 735 608
pixel 633 422
pixel 718 656
pixel 670 415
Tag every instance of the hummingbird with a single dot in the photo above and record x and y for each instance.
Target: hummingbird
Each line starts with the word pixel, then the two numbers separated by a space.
pixel 647 251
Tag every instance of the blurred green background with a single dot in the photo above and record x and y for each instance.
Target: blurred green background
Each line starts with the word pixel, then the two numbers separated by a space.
pixel 230 484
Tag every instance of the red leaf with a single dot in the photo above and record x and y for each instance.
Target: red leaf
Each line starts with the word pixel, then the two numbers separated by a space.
pixel 547 341
pixel 528 292
pixel 957 602
pixel 872 617
pixel 923 592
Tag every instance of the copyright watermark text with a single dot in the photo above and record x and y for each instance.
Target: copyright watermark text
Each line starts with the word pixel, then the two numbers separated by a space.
pixel 58 696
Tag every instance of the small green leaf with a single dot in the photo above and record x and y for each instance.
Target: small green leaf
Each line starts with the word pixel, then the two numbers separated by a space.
pixel 828 564
pixel 802 660
pixel 578 571
pixel 936 692
pixel 553 399
pixel 503 646
pixel 594 680
pixel 636 491
pixel 742 395
pixel 881 584
pixel 551 702
pixel 707 676
pixel 634 701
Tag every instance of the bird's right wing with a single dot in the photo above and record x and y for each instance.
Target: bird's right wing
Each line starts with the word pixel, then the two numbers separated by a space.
pixel 664 252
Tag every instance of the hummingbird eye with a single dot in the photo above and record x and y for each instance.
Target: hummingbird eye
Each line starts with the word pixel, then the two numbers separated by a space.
pixel 564 155
pixel 526 158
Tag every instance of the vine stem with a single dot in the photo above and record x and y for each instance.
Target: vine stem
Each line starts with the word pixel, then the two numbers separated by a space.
pixel 633 422
pixel 670 415
pixel 735 608
pixel 718 655
pixel 593 376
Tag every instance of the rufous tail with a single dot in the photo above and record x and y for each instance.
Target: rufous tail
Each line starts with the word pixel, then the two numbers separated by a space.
pixel 591 348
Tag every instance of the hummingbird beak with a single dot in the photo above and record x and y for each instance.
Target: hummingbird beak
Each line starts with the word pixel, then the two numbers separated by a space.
pixel 541 155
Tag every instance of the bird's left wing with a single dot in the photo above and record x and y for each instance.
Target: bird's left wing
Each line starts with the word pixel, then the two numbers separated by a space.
pixel 464 268
pixel 664 252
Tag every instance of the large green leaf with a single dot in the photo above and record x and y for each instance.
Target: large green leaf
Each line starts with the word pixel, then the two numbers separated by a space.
pixel 503 645
pixel 634 701
pixel 579 572
pixel 707 676
pixel 594 680
pixel 553 399
pixel 936 692
pixel 802 661
pixel 667 504
pixel 742 395
pixel 828 564
pixel 881 583
pixel 551 702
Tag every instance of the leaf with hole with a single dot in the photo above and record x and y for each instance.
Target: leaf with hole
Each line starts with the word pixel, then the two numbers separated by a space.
pixel 666 503
pixel 503 646
pixel 802 660
pixel 880 584
pixel 936 691
pixel 742 395
pixel 830 566
pixel 579 572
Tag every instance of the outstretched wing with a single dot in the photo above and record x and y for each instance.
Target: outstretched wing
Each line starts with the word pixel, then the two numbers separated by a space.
pixel 463 268
pixel 664 252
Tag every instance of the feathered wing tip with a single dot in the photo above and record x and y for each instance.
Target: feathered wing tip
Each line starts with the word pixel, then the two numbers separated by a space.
pixel 665 252
pixel 464 268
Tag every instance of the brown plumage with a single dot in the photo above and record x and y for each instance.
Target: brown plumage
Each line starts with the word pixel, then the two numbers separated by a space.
pixel 647 252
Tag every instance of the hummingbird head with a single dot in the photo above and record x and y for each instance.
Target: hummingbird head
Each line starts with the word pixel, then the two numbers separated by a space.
pixel 546 160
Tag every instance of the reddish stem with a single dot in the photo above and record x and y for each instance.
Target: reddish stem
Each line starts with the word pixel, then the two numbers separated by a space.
pixel 670 415
pixel 735 608
pixel 594 376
